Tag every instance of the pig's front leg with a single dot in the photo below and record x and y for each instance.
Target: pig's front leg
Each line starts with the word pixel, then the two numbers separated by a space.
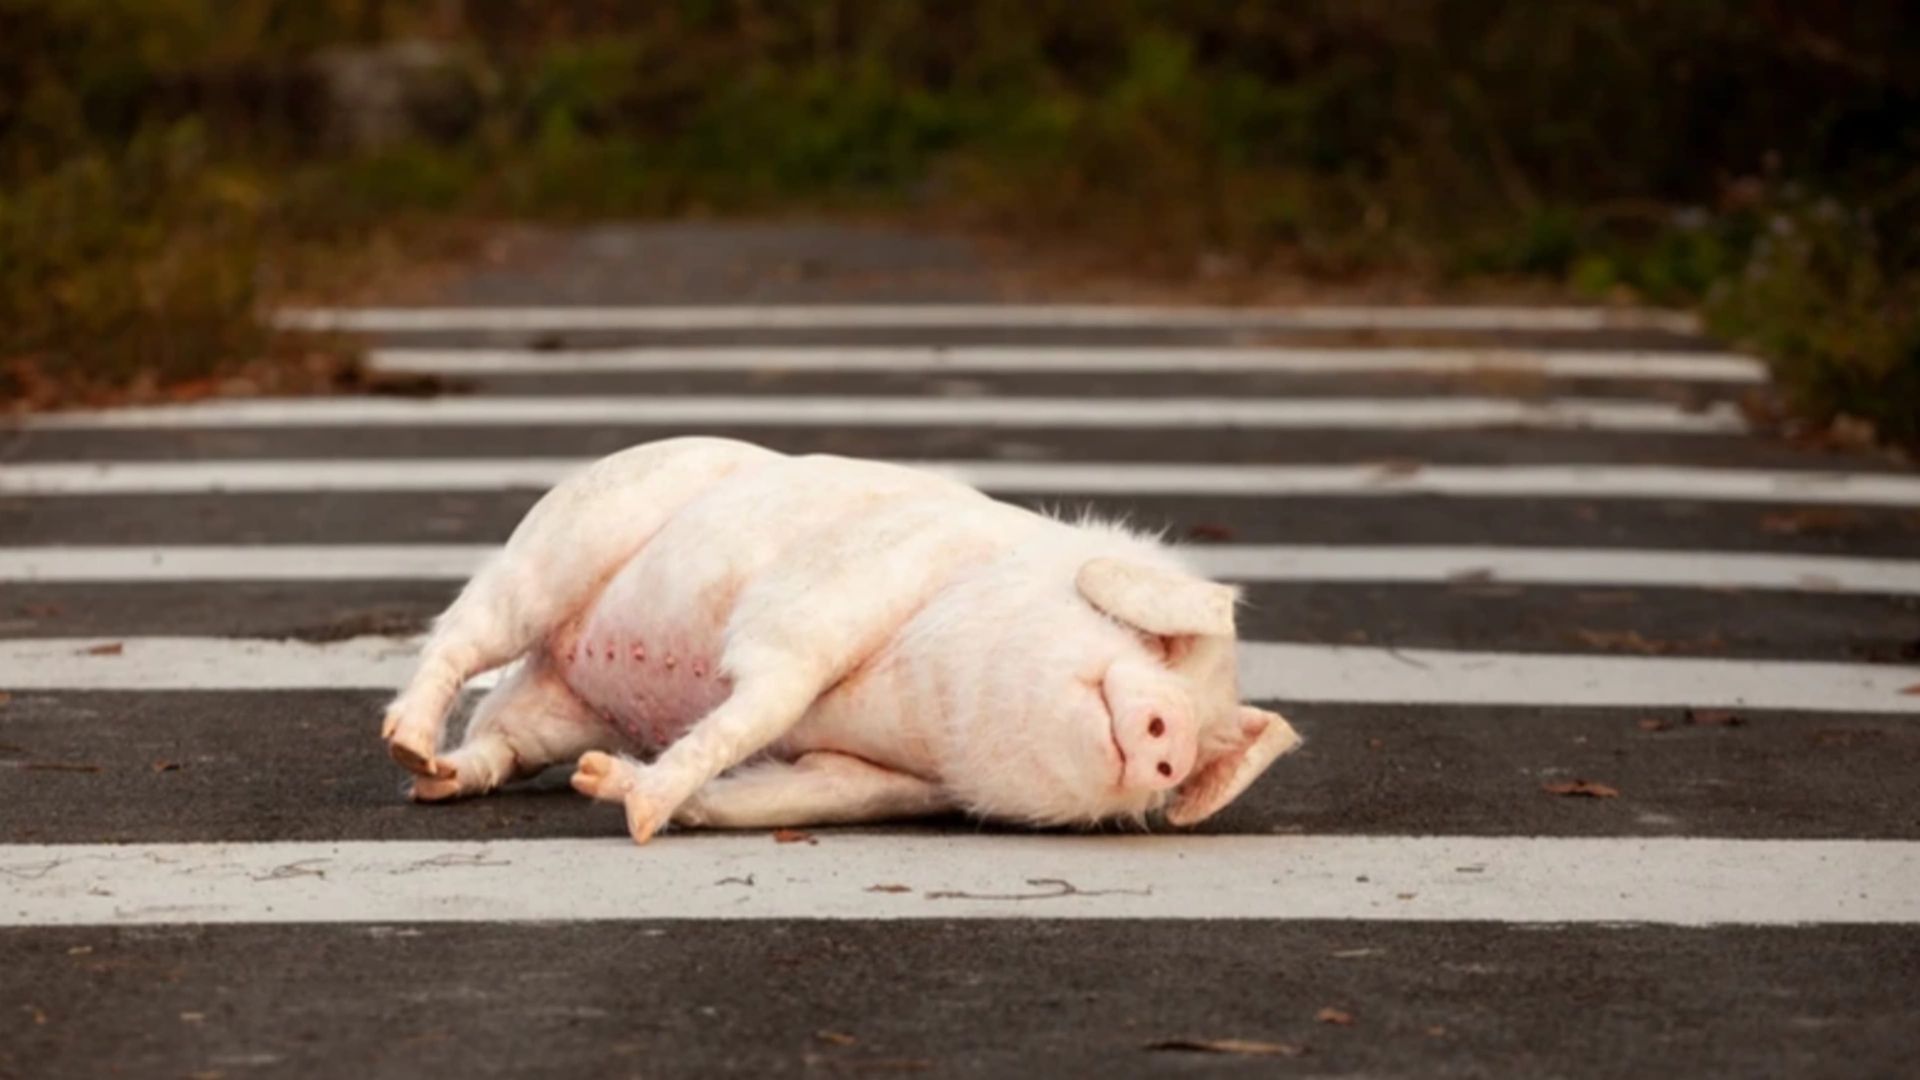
pixel 820 788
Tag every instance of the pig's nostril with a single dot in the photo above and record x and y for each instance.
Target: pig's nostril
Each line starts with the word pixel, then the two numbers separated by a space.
pixel 1166 769
pixel 1156 727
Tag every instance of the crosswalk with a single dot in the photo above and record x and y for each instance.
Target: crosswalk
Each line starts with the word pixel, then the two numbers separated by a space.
pixel 1572 648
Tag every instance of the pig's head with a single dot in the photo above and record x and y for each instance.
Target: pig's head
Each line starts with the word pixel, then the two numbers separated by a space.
pixel 1080 689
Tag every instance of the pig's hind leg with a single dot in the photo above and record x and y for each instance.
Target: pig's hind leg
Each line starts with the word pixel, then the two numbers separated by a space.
pixel 560 556
pixel 820 788
pixel 528 722
pixel 795 632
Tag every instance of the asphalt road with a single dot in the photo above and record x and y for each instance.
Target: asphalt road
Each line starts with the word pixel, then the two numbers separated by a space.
pixel 207 868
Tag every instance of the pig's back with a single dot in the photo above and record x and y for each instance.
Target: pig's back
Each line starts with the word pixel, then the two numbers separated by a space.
pixel 646 652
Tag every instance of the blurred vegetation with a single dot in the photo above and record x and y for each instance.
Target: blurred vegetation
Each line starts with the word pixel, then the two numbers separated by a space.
pixel 169 166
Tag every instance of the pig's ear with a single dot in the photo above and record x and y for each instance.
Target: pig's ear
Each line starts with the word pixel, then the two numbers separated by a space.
pixel 1264 738
pixel 1158 601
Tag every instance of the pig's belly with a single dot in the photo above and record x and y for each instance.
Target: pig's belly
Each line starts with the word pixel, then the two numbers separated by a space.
pixel 646 659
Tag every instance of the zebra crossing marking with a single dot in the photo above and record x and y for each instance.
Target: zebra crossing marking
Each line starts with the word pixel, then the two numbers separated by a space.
pixel 1246 563
pixel 1346 414
pixel 982 359
pixel 1269 671
pixel 81 478
pixel 960 316
pixel 904 875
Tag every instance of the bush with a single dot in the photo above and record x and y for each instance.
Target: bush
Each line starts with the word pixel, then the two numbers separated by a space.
pixel 1609 146
pixel 1843 336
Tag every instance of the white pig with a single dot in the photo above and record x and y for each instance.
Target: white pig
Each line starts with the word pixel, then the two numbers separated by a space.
pixel 815 640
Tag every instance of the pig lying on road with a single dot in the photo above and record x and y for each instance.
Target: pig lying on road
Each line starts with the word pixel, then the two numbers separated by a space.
pixel 814 640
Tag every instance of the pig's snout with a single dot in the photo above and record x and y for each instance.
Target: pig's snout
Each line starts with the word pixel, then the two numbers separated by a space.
pixel 1152 729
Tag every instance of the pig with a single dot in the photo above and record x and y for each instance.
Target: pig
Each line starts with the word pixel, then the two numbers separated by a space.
pixel 722 636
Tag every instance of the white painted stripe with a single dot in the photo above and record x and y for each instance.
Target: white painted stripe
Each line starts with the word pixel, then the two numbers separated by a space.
pixel 977 359
pixel 1011 478
pixel 1268 671
pixel 1557 566
pixel 871 412
pixel 911 316
pixel 1687 882
pixel 1237 562
pixel 276 562
pixel 1339 673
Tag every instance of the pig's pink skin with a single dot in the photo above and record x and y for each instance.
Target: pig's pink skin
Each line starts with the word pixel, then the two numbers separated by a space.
pixel 999 688
pixel 970 653
pixel 677 597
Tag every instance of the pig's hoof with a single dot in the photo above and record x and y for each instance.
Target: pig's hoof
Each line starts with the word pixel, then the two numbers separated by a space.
pixel 415 755
pixel 602 776
pixel 644 816
pixel 435 789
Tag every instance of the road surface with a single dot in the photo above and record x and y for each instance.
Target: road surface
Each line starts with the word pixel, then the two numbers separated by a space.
pixel 1611 765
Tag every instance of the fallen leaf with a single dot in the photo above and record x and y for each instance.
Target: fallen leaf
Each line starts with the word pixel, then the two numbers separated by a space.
pixel 111 648
pixel 1331 1015
pixel 837 1038
pixel 166 766
pixel 1437 1031
pixel 890 888
pixel 1622 640
pixel 39 1015
pixel 1585 789
pixel 1714 718
pixel 80 950
pixel 1652 723
pixel 1376 744
pixel 1207 532
pixel 1914 689
pixel 192 1017
pixel 793 836
pixel 1811 519
pixel 5 697
pixel 1405 895
pixel 1242 1047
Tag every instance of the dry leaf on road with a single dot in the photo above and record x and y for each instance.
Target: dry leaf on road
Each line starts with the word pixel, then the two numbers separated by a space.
pixel 1243 1047
pixel 1207 532
pixel 111 648
pixel 837 1038
pixel 1583 789
pixel 1331 1015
